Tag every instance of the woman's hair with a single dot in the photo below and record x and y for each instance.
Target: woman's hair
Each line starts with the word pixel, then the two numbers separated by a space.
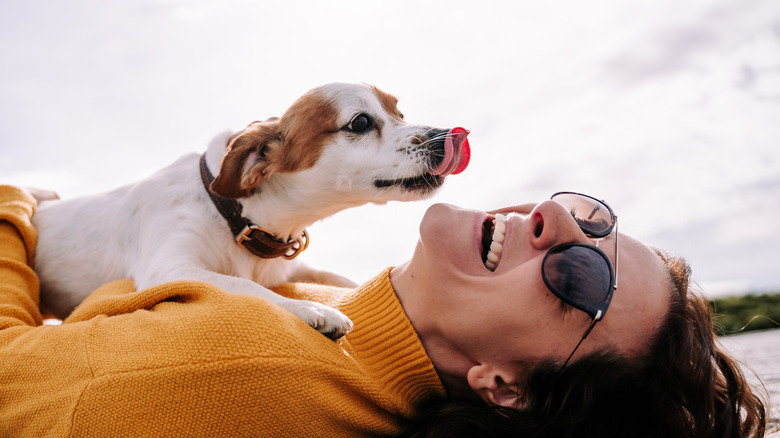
pixel 685 386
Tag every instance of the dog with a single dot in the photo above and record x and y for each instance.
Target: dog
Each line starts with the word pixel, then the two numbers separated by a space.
pixel 236 215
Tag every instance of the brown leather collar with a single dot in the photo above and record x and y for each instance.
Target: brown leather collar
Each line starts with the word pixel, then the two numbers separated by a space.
pixel 256 240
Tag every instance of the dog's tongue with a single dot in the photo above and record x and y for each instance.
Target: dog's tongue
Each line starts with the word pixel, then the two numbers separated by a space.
pixel 457 153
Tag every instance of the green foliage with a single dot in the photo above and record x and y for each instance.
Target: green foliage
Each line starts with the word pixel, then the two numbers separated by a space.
pixel 739 314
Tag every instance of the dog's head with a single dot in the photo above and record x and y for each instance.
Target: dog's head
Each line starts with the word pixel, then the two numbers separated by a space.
pixel 343 139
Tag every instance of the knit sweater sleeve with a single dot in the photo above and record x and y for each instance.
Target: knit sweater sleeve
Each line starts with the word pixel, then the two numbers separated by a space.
pixel 18 282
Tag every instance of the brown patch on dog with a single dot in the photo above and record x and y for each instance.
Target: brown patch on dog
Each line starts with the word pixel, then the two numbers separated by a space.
pixel 389 102
pixel 293 142
pixel 245 165
pixel 307 126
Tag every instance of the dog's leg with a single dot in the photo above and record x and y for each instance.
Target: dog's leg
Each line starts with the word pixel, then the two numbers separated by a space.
pixel 306 274
pixel 327 320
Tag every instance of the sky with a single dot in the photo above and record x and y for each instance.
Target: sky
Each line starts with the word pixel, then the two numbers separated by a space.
pixel 668 110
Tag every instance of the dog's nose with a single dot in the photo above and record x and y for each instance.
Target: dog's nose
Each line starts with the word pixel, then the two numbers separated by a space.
pixel 455 152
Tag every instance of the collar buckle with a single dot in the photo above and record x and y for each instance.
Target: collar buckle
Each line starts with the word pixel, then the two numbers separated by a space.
pixel 244 235
pixel 253 235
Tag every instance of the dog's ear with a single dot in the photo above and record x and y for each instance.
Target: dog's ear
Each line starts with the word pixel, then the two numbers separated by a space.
pixel 246 162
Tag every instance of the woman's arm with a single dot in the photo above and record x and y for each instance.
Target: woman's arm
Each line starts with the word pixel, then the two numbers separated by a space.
pixel 18 282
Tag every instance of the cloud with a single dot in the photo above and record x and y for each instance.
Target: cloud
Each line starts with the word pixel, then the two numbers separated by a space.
pixel 689 38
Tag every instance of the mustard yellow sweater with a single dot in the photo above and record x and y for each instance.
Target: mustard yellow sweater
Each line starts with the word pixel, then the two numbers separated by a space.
pixel 188 359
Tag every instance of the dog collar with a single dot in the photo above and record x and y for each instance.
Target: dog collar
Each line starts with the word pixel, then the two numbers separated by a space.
pixel 255 239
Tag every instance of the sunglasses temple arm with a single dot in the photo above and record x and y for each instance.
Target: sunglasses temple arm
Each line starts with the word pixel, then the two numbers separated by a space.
pixel 587 332
pixel 617 258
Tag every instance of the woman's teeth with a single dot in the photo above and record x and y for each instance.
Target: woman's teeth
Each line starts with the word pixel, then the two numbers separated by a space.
pixel 497 242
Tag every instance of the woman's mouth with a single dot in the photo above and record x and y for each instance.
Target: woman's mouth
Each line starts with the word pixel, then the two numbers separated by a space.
pixel 493 241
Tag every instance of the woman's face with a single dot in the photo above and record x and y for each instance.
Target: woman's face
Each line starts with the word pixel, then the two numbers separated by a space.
pixel 496 322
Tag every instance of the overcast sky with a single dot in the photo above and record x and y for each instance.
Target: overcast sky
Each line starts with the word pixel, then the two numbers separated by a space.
pixel 668 110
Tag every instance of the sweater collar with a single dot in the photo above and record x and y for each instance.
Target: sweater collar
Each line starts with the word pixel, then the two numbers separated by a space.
pixel 386 343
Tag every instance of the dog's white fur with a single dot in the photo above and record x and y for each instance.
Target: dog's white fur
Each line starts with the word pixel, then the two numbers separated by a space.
pixel 287 173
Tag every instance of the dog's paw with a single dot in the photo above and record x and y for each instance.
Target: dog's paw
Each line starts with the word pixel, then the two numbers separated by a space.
pixel 326 320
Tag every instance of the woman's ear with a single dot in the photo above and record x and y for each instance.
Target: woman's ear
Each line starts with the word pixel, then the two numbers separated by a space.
pixel 495 385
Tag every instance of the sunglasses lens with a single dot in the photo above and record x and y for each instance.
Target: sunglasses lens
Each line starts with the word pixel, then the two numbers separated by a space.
pixel 593 217
pixel 580 276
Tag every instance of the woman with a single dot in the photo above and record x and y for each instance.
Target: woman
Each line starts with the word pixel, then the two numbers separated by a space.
pixel 533 335
pixel 652 368
pixel 683 386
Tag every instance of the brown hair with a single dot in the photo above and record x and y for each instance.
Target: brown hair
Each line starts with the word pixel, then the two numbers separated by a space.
pixel 685 386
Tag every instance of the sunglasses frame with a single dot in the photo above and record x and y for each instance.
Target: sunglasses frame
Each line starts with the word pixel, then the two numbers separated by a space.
pixel 595 312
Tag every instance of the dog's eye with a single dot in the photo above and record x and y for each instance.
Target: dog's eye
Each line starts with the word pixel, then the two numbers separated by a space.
pixel 360 123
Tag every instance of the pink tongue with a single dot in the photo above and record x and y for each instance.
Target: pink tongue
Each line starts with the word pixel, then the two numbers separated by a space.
pixel 457 153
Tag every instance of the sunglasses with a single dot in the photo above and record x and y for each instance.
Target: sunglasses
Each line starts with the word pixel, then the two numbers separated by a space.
pixel 579 274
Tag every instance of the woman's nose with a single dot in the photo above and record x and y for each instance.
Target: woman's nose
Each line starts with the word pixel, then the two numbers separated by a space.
pixel 553 225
